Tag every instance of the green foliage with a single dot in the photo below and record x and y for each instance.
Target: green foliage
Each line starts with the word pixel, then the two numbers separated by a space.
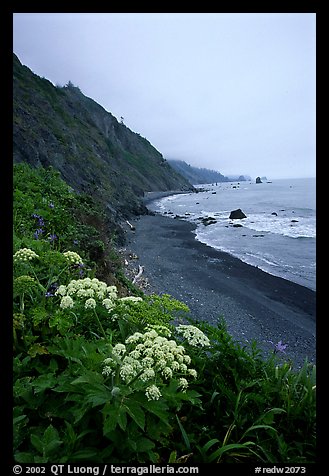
pixel 76 398
pixel 48 215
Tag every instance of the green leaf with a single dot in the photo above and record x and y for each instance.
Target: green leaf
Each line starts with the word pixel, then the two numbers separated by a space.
pixel 37 443
pixel 111 419
pixel 21 457
pixel 70 433
pixel 43 382
pixel 96 399
pixel 232 446
pixel 268 417
pixel 144 444
pixel 135 411
pixel 208 445
pixel 184 434
pixel 172 457
pixel 90 378
pixel 18 419
pixel 258 427
pixel 85 454
pixel 51 439
pixel 122 418
pixel 40 459
pixel 53 365
pixel 157 407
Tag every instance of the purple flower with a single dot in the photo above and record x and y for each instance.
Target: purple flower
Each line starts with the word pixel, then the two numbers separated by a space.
pixel 75 242
pixel 51 290
pixel 279 347
pixel 38 232
pixel 80 267
pixel 52 238
pixel 40 219
pixel 51 205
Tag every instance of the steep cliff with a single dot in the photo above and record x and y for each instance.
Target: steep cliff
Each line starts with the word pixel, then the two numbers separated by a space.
pixel 197 175
pixel 62 128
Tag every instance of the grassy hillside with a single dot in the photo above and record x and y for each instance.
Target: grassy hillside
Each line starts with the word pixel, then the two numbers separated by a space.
pixel 94 153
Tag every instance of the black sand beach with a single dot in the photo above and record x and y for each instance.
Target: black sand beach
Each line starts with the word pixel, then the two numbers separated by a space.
pixel 254 304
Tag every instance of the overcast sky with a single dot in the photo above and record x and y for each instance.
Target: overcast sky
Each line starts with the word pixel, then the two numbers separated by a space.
pixel 234 92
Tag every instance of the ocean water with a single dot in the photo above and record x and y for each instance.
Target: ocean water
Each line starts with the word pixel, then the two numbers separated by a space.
pixel 278 235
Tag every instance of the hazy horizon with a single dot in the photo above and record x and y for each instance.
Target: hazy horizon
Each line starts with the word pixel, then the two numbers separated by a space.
pixel 233 92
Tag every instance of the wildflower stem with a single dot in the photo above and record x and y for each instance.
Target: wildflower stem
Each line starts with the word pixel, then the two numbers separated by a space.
pixel 64 269
pixel 100 324
pixel 135 378
pixel 21 303
pixel 43 289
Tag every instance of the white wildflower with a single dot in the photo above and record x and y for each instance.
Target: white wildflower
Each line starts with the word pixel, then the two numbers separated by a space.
pixel 127 372
pixel 193 373
pixel 108 371
pixel 175 366
pixel 61 290
pixel 66 302
pixel 112 292
pixel 24 254
pixel 193 335
pixel 100 294
pixel 147 362
pixel 135 354
pixel 187 359
pixel 150 356
pixel 108 304
pixel 73 257
pixel 134 338
pixel 119 349
pixel 81 293
pixel 167 372
pixel 109 361
pixel 152 392
pixel 183 383
pixel 183 368
pixel 90 303
pixel 89 292
pixel 148 374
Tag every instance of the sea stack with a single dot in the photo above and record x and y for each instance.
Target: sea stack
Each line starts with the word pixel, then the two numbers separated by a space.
pixel 237 214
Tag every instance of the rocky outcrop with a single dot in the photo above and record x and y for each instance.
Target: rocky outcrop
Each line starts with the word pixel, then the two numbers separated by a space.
pixel 237 214
pixel 208 221
pixel 258 180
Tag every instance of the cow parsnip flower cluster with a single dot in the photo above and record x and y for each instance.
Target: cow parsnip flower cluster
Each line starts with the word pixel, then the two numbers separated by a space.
pixel 73 257
pixel 24 255
pixel 23 284
pixel 193 335
pixel 91 291
pixel 150 358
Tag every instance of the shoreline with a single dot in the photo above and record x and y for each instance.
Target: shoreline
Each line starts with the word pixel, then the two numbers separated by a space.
pixel 254 304
pixel 152 196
